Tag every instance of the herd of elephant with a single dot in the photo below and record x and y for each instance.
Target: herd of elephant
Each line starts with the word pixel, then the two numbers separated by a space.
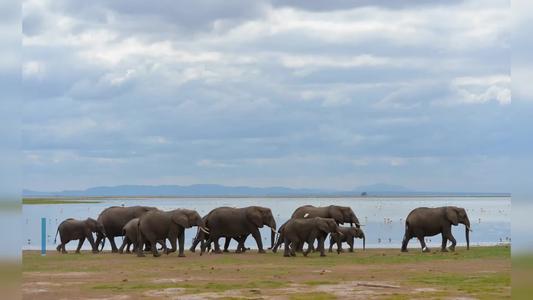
pixel 143 228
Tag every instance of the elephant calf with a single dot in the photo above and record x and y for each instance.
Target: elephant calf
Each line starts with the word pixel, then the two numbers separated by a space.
pixel 72 229
pixel 348 236
pixel 298 231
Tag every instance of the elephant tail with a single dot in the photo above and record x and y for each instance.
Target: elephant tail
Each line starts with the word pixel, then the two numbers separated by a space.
pixel 57 231
pixel 405 236
pixel 55 238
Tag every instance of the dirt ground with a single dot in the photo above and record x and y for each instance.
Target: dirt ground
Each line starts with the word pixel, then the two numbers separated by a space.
pixel 481 273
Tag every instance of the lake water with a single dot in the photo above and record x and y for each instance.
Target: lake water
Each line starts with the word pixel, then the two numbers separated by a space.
pixel 384 218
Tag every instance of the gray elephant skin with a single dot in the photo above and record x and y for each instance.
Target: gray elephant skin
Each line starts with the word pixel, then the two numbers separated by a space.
pixel 238 223
pixel 299 231
pixel 425 221
pixel 72 229
pixel 157 225
pixel 348 236
pixel 131 233
pixel 115 218
pixel 341 214
pixel 202 236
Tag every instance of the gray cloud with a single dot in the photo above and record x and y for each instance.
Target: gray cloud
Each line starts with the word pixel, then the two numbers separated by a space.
pixel 253 93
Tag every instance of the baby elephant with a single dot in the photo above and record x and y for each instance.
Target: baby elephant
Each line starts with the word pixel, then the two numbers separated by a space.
pixel 72 229
pixel 298 231
pixel 348 236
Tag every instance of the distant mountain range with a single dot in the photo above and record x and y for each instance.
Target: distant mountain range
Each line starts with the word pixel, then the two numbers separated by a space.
pixel 211 190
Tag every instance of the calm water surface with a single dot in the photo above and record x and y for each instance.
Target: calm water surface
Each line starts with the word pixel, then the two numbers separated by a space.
pixel 384 218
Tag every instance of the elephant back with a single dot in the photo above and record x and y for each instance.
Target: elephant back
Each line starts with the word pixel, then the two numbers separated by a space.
pixel 301 211
pixel 116 217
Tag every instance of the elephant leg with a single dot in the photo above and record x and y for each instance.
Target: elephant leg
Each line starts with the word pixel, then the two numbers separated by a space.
pixel 406 238
pixel 444 242
pixel 454 242
pixel 58 248
pixel 195 243
pixel 138 245
pixel 350 243
pixel 80 243
pixel 181 240
pixel 423 243
pixel 63 248
pixel 94 246
pixel 320 246
pixel 99 238
pixel 217 245
pixel 153 247
pixel 114 248
pixel 286 252
pixel 226 244
pixel 339 245
pixel 293 248
pixel 309 242
pixel 257 236
pixel 124 243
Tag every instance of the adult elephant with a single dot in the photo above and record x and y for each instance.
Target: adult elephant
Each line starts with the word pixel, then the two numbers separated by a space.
pixel 425 221
pixel 202 236
pixel 239 222
pixel 157 225
pixel 341 214
pixel 299 231
pixel 131 234
pixel 115 218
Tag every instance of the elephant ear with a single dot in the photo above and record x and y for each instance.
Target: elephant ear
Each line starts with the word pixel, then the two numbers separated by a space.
pixel 451 215
pixel 336 213
pixel 180 219
pixel 255 217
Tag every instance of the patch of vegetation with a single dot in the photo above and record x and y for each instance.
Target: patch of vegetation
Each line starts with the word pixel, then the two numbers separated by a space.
pixel 40 201
pixel 314 296
pixel 484 286
pixel 319 282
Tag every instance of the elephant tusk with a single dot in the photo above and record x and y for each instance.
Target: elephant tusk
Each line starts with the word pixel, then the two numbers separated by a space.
pixel 204 230
pixel 306 215
pixel 273 230
pixel 468 228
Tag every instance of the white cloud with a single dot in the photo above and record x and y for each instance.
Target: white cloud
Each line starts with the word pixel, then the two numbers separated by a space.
pixel 472 90
pixel 33 69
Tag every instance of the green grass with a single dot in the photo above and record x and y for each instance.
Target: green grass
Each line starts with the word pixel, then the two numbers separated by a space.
pixel 314 296
pixel 37 201
pixel 485 286
pixel 263 274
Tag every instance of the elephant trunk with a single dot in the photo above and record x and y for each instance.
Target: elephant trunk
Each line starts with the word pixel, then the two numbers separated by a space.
pixel 364 241
pixel 272 238
pixel 467 233
pixel 272 226
pixel 103 244
pixel 356 222
pixel 202 227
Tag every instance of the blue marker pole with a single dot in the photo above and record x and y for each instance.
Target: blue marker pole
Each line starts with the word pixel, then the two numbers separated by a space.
pixel 43 236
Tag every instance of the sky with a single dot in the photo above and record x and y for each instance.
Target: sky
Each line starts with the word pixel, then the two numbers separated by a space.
pixel 334 94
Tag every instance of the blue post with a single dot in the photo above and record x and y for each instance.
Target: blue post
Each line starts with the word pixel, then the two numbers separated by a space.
pixel 43 236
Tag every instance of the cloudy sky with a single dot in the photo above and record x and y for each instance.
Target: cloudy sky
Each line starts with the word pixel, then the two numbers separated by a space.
pixel 332 94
